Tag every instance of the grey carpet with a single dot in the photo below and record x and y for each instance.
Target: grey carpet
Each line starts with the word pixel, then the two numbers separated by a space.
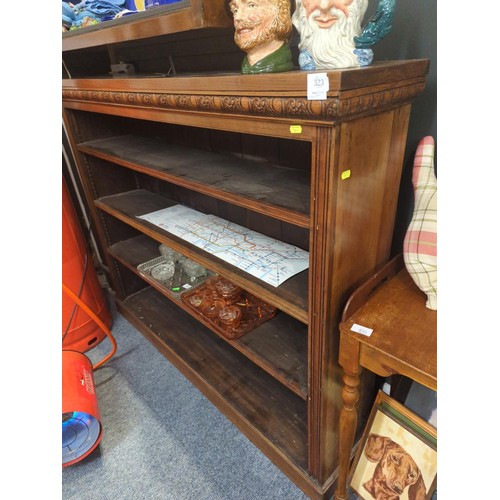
pixel 162 439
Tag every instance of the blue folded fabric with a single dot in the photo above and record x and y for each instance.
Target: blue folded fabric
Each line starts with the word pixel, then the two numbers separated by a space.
pixel 67 11
pixel 102 8
pixel 99 9
pixel 84 3
pixel 67 22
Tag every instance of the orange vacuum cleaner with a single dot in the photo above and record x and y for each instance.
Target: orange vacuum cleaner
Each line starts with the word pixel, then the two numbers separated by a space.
pixel 86 323
pixel 81 422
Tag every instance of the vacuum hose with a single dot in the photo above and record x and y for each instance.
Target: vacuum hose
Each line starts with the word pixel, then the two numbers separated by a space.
pixel 103 327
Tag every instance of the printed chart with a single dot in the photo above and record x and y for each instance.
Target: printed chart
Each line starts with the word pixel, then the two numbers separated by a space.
pixel 268 259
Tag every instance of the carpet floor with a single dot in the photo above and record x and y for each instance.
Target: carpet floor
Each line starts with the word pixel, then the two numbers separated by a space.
pixel 162 439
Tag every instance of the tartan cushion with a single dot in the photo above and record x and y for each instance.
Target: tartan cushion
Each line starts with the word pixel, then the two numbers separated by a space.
pixel 420 243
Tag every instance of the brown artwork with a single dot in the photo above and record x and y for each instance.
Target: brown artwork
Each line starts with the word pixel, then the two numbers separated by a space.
pixel 396 470
pixel 397 456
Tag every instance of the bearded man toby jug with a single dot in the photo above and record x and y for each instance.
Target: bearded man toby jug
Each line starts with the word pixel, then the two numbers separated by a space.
pixel 262 30
pixel 330 32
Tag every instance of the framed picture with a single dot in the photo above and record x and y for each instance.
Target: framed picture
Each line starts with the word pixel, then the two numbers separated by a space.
pixel 397 455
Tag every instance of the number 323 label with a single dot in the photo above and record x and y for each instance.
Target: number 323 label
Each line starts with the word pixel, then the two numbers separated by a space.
pixel 317 86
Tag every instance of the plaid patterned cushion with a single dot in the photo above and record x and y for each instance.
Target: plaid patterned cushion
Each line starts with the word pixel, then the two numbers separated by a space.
pixel 420 243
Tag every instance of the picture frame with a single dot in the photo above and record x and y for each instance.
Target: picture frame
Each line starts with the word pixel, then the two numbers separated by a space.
pixel 397 455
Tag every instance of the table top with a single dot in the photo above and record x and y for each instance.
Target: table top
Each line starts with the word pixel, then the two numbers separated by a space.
pixel 404 329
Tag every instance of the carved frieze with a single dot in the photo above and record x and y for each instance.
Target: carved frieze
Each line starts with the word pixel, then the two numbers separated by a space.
pixel 333 108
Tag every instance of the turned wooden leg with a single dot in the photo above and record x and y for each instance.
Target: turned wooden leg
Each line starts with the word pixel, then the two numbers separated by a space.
pixel 347 430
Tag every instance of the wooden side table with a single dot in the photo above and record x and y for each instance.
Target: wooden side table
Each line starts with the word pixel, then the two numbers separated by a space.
pixel 404 342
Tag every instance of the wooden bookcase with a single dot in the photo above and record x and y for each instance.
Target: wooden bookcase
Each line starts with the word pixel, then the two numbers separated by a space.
pixel 252 149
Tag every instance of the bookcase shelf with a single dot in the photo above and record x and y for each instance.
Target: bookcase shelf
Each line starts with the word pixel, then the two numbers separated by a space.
pixel 128 206
pixel 274 190
pixel 231 379
pixel 182 16
pixel 278 346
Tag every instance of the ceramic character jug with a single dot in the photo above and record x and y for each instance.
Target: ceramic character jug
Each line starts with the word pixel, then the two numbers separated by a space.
pixel 331 33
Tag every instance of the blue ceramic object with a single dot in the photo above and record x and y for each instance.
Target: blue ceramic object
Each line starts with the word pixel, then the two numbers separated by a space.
pixel 365 56
pixel 306 62
pixel 378 26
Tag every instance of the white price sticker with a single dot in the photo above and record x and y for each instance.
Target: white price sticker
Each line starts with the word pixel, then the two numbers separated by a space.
pixel 317 86
pixel 362 329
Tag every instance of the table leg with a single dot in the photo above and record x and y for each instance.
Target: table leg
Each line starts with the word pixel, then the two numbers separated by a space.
pixel 347 430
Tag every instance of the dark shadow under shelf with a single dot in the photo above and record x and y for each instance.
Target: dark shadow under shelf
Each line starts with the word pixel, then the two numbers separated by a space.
pixel 223 374
pixel 276 191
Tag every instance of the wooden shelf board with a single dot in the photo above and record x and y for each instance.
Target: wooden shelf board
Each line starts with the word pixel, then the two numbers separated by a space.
pixel 280 192
pixel 386 74
pixel 183 16
pixel 278 346
pixel 290 296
